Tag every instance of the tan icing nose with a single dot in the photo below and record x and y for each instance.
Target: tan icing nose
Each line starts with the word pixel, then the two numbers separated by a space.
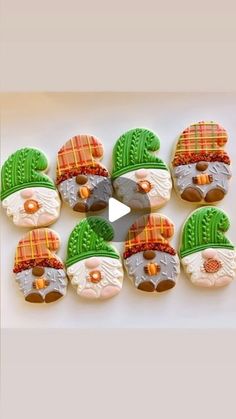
pixel 144 186
pixel 84 192
pixel 95 276
pixel 152 269
pixel 31 206
pixel 212 265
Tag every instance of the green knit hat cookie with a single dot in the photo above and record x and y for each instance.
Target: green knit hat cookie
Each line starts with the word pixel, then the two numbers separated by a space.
pixel 205 229
pixel 89 239
pixel 22 170
pixel 132 152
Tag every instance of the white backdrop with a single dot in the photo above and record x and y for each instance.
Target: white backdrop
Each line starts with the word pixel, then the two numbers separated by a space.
pixel 46 121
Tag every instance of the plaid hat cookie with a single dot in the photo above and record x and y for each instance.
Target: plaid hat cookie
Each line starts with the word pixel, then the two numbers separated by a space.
pixel 39 272
pixel 84 184
pixel 150 260
pixel 208 256
pixel 200 166
pixel 28 195
pixel 93 265
pixel 140 178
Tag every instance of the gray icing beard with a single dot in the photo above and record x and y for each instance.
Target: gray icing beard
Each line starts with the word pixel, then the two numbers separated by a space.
pixel 57 278
pixel 135 267
pixel 220 172
pixel 100 185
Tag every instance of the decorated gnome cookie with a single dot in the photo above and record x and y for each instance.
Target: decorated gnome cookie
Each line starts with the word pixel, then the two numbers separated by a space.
pixel 141 180
pixel 209 258
pixel 28 195
pixel 82 181
pixel 151 262
pixel 39 273
pixel 93 265
pixel 201 168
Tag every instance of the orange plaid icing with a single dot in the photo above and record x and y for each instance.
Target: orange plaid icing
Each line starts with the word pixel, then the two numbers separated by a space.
pixel 149 232
pixel 38 247
pixel 201 141
pixel 79 152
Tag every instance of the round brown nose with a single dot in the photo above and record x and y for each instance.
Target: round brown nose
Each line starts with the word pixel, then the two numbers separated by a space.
pixel 149 254
pixel 201 166
pixel 81 179
pixel 38 271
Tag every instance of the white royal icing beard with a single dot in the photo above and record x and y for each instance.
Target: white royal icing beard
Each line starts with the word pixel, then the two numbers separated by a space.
pixel 157 196
pixel 193 265
pixel 49 210
pixel 110 284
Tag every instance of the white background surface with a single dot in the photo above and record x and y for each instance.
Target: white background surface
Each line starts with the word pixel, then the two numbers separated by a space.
pixel 46 121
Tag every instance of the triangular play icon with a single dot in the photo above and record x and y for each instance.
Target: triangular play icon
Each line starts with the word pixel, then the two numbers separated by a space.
pixel 117 210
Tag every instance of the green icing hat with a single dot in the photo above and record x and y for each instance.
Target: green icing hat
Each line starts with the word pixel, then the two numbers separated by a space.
pixel 132 151
pixel 205 229
pixel 22 170
pixel 89 239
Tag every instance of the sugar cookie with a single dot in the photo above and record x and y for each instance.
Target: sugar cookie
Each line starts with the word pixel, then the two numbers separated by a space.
pixel 151 262
pixel 39 273
pixel 200 167
pixel 28 195
pixel 82 181
pixel 93 265
pixel 209 258
pixel 141 180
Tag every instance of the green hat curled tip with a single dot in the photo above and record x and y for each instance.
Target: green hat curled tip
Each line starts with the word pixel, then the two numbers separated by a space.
pixel 132 152
pixel 204 229
pixel 23 170
pixel 89 239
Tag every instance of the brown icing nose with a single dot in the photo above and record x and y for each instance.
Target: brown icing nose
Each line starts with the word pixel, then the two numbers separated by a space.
pixel 201 166
pixel 31 206
pixel 149 254
pixel 38 271
pixel 81 179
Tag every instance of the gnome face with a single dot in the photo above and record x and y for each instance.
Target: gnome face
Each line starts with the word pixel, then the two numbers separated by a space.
pixel 144 188
pixel 202 181
pixel 33 207
pixel 42 284
pixel 97 277
pixel 211 267
pixel 88 192
pixel 153 270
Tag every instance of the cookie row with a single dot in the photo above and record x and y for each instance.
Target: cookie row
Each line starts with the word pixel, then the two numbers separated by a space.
pixel 141 180
pixel 94 266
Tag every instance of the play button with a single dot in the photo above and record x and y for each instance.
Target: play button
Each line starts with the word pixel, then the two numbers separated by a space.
pixel 116 210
